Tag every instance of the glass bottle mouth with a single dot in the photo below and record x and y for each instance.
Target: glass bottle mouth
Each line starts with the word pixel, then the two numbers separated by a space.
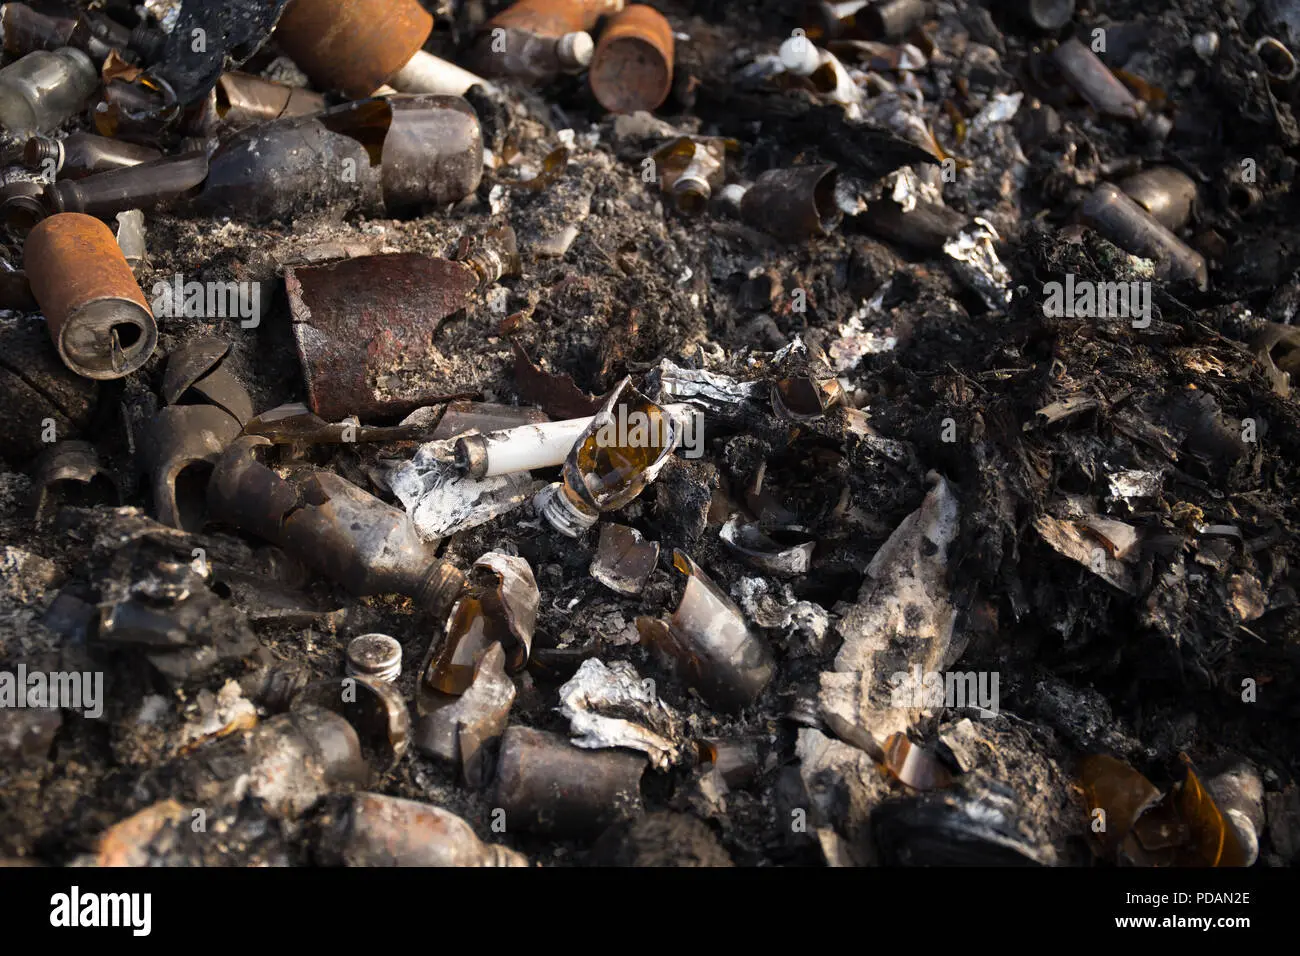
pixel 626 445
pixel 562 512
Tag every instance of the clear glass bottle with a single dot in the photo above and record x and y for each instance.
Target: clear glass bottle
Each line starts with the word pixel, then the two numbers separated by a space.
pixel 44 88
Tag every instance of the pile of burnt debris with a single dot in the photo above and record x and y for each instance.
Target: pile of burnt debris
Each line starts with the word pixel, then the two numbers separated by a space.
pixel 692 434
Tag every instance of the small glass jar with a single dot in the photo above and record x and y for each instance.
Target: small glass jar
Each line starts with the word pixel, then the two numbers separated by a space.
pixel 44 88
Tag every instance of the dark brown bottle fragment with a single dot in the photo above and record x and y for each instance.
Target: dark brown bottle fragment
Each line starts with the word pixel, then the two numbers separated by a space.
pixel 143 186
pixel 1129 226
pixel 350 536
pixel 83 154
pixel 547 785
pixel 793 204
pixel 500 607
pixel 400 155
pixel 708 640
pixel 1167 194
pixel 371 829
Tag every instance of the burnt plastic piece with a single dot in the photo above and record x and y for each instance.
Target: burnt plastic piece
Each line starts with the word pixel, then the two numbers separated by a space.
pixel 97 314
pixel 239 100
pixel 374 708
pixel 400 155
pixel 35 386
pixel 632 68
pixel 234 31
pixel 83 154
pixel 245 494
pixel 371 829
pixel 353 47
pixel 144 186
pixel 499 608
pixel 195 375
pixel 624 561
pixel 352 537
pixel 617 456
pixel 179 451
pixel 359 320
pixel 1045 15
pixel 707 639
pixel 1125 223
pixel 546 785
pixel 892 19
pixel 793 204
pixel 1167 194
pixel 70 473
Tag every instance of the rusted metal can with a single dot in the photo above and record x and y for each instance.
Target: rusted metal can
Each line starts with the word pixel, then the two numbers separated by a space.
pixel 97 314
pixel 352 47
pixel 633 66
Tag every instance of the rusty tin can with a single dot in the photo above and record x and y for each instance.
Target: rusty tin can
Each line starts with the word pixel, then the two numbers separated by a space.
pixel 352 47
pixel 98 317
pixel 633 66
